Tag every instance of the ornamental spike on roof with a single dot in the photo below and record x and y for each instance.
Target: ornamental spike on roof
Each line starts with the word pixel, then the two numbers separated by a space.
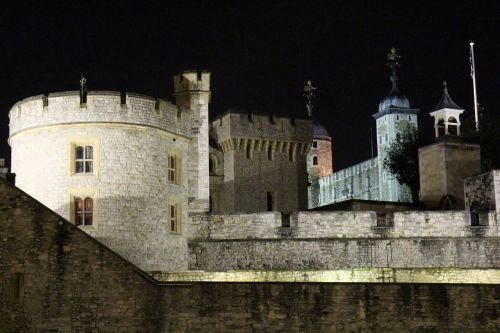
pixel 446 102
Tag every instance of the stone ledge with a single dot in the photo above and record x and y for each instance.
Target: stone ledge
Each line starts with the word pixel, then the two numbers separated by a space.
pixel 356 275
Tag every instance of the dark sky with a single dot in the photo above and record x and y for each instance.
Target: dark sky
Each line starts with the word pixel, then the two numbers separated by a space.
pixel 260 55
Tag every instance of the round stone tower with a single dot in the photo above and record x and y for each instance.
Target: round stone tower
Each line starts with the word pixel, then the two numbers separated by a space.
pixel 115 164
pixel 320 159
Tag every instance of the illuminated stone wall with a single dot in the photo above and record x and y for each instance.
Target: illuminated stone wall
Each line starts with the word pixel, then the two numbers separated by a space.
pixel 340 253
pixel 359 181
pixel 129 183
pixel 245 140
pixel 355 224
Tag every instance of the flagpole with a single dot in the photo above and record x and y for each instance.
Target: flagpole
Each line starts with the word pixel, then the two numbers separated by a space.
pixel 473 74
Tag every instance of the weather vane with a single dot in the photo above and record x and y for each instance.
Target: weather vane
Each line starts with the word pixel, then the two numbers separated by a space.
pixel 393 58
pixel 393 63
pixel 309 94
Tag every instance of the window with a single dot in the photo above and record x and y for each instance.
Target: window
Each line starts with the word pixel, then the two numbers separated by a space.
pixel 290 154
pixel 315 160
pixel 270 152
pixel 173 218
pixel 172 169
pixel 397 117
pixel 315 144
pixel 84 208
pixel 270 201
pixel 84 161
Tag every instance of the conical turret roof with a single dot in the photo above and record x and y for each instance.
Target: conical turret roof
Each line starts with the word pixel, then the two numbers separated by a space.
pixel 446 102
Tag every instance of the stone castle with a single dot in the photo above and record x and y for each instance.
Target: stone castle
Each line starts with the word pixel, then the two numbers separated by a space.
pixel 132 213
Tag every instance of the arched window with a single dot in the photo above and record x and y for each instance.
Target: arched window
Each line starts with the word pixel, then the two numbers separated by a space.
pixel 84 211
pixel 452 126
pixel 441 127
pixel 84 159
pixel 315 160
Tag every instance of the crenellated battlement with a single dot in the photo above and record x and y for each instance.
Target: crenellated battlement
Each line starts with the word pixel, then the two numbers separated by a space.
pixel 235 128
pixel 101 107
pixel 190 81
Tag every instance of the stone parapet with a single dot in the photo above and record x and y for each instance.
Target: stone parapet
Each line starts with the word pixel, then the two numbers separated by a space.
pixel 101 107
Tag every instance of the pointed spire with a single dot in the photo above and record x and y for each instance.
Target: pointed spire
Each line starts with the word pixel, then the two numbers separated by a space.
pixel 446 101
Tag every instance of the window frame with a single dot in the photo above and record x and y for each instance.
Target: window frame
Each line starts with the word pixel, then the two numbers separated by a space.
pixel 175 170
pixel 173 218
pixel 83 142
pixel 83 193
pixel 85 212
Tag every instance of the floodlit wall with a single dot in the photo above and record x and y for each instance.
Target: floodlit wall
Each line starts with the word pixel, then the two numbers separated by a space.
pixel 129 182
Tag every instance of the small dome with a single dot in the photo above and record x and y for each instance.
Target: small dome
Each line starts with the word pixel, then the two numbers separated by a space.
pixel 319 131
pixel 394 99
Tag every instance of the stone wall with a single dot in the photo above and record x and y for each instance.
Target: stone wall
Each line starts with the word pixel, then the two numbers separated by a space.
pixel 340 253
pixel 297 307
pixel 482 192
pixel 443 168
pixel 262 154
pixel 323 153
pixel 342 224
pixel 54 277
pixel 101 106
pixel 129 183
pixel 360 181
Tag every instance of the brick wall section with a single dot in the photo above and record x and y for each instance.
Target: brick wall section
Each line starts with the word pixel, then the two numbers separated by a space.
pixel 328 254
pixel 69 281
pixel 295 307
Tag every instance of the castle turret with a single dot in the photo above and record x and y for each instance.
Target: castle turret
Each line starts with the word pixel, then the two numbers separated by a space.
pixel 393 116
pixel 446 115
pixel 192 93
pixel 444 165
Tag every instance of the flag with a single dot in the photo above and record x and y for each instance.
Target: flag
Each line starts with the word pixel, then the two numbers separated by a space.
pixel 471 61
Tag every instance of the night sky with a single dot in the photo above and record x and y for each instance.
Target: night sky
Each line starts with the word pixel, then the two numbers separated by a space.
pixel 260 55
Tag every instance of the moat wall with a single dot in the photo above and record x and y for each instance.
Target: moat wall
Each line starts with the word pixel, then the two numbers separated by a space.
pixel 298 307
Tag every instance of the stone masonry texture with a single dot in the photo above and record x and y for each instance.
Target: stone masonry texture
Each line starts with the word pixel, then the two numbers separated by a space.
pixel 56 278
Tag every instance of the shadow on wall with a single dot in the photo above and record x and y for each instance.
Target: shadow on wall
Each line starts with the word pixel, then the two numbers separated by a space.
pixel 148 231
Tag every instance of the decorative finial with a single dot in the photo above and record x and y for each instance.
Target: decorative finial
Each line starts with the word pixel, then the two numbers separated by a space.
pixel 445 84
pixel 309 94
